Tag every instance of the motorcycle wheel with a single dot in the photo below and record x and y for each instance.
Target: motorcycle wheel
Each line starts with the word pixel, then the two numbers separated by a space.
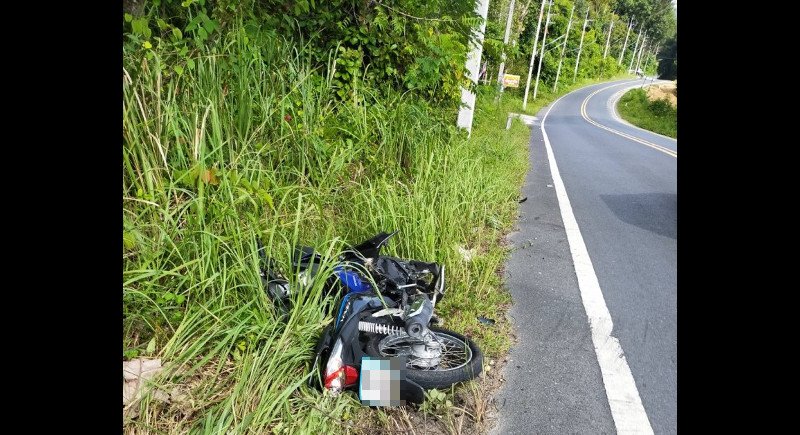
pixel 461 360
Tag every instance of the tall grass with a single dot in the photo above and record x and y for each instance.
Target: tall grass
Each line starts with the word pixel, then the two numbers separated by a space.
pixel 250 143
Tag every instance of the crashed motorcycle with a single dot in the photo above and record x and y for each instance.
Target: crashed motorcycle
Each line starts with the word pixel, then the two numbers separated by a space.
pixel 385 310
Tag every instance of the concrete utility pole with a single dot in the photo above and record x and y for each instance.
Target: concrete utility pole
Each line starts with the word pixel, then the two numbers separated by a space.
pixel 641 50
pixel 467 111
pixel 636 46
pixel 625 44
pixel 533 55
pixel 608 39
pixel 647 60
pixel 563 48
pixel 505 41
pixel 580 46
pixel 655 57
pixel 638 63
pixel 541 56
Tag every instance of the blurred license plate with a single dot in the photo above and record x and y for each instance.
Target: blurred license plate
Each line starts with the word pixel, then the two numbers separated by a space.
pixel 379 381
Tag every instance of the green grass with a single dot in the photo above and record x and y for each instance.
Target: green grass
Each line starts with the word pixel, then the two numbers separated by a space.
pixel 658 116
pixel 258 147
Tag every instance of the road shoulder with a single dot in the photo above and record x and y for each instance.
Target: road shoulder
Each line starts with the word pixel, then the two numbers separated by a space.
pixel 553 382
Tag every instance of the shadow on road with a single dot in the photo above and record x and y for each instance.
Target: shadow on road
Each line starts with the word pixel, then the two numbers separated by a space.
pixel 654 212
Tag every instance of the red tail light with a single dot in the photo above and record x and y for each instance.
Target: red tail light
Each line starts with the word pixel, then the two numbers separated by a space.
pixel 337 375
pixel 350 376
pixel 344 377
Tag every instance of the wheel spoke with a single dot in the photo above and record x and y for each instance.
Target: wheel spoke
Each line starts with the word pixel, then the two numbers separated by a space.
pixel 453 353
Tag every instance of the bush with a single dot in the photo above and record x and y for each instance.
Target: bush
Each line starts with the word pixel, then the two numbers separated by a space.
pixel 661 107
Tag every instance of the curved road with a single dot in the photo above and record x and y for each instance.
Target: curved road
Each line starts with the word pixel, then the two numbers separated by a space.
pixel 611 195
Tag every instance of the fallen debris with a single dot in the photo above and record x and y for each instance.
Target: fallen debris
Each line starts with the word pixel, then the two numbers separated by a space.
pixel 486 320
pixel 135 373
pixel 467 254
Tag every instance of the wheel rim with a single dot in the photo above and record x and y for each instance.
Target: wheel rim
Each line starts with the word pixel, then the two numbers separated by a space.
pixel 453 353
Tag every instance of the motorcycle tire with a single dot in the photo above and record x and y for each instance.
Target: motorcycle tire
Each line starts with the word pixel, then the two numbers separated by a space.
pixel 437 378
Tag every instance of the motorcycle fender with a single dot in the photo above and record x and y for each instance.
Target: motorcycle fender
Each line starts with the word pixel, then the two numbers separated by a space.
pixel 320 356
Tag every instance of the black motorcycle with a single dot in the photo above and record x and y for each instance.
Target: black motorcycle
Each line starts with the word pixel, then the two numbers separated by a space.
pixel 385 310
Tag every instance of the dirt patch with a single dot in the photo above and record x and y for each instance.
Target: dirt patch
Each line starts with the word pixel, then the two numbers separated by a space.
pixel 179 400
pixel 668 91
pixel 473 409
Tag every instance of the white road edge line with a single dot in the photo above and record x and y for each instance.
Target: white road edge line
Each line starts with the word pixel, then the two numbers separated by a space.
pixel 623 396
pixel 585 116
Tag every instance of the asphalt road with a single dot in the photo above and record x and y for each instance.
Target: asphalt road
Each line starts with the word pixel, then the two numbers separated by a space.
pixel 622 185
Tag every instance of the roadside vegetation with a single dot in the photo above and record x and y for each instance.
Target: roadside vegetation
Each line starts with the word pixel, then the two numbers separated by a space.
pixel 657 115
pixel 227 153
pixel 319 124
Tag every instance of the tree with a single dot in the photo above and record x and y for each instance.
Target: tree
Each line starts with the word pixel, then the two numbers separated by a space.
pixel 668 55
pixel 657 17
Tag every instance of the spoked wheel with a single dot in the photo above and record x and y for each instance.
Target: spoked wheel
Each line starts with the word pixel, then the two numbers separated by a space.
pixel 448 358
